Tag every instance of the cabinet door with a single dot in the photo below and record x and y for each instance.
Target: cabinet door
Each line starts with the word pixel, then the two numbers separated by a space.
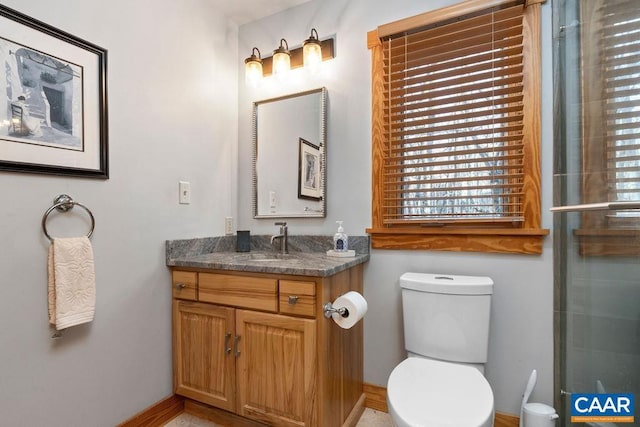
pixel 276 368
pixel 204 364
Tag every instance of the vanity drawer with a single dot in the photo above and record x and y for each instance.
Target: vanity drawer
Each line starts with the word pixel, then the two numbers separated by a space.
pixel 185 285
pixel 258 293
pixel 298 298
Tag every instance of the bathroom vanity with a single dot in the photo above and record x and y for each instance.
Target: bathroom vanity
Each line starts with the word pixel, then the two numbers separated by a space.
pixel 250 337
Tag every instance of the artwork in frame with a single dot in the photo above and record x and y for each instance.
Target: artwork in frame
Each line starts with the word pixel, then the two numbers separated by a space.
pixel 309 181
pixel 53 100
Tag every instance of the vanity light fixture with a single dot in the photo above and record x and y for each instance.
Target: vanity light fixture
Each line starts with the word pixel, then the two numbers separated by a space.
pixel 253 68
pixel 312 52
pixel 281 59
pixel 310 55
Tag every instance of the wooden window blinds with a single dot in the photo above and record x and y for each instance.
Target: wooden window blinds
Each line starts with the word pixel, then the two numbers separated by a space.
pixel 454 121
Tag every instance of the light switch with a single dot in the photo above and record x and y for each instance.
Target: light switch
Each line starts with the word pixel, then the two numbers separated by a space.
pixel 184 188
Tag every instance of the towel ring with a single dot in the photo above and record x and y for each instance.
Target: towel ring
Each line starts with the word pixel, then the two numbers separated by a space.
pixel 63 203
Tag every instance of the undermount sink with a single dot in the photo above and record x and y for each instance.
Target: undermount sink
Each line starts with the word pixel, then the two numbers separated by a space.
pixel 264 257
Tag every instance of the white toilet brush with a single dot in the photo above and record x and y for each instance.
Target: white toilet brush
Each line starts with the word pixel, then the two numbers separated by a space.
pixel 527 392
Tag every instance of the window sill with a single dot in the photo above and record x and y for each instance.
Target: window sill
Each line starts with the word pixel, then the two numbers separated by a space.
pixel 608 242
pixel 499 240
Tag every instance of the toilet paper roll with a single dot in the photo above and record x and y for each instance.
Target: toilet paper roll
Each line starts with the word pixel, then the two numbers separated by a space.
pixel 356 306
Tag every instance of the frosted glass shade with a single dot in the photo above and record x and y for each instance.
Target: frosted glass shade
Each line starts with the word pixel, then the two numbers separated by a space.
pixel 312 57
pixel 253 73
pixel 281 64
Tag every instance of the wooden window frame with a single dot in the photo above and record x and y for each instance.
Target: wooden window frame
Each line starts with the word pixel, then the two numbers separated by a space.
pixel 526 239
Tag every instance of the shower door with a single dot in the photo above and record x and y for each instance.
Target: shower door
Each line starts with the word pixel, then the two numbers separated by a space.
pixel 597 191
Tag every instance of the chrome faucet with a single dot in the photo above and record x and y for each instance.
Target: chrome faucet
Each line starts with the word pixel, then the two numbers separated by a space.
pixel 283 236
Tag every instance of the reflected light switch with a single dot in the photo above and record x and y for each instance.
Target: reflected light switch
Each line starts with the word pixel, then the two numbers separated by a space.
pixel 272 199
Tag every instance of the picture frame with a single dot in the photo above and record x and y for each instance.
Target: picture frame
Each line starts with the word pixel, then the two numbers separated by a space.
pixel 309 167
pixel 53 114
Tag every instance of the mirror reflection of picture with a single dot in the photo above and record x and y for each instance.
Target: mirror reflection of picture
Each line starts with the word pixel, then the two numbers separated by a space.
pixel 309 171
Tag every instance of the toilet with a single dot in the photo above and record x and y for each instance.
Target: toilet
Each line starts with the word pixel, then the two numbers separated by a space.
pixel 446 334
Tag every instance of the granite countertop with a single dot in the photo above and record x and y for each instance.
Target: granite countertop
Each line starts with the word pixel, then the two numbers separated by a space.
pixel 307 255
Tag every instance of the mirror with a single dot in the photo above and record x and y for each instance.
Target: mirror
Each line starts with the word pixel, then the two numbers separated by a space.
pixel 289 145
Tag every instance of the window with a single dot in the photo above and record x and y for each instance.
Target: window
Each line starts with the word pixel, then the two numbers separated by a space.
pixel 456 147
pixel 610 39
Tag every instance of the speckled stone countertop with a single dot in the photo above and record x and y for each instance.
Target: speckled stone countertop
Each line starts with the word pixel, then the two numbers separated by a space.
pixel 307 255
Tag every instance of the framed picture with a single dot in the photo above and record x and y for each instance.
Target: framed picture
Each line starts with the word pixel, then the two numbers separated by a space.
pixel 309 180
pixel 53 100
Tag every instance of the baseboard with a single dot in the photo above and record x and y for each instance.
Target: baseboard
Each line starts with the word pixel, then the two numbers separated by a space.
pixel 158 414
pixel 376 398
pixel 356 413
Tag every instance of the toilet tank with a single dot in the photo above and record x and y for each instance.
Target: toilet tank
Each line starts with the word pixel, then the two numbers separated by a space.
pixel 446 317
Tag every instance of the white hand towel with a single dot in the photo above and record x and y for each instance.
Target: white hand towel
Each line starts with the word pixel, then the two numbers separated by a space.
pixel 71 282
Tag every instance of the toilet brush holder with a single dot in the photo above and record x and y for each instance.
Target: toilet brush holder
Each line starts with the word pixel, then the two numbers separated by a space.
pixel 539 415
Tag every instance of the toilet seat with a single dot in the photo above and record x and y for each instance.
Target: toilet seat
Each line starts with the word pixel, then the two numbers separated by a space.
pixel 426 393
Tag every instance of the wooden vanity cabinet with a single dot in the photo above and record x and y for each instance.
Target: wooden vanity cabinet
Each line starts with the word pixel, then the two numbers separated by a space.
pixel 277 359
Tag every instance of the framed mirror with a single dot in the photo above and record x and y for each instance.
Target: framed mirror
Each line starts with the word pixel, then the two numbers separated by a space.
pixel 289 163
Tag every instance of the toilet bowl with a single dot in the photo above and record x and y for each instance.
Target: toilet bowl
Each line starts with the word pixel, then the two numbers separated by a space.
pixel 425 393
pixel 446 332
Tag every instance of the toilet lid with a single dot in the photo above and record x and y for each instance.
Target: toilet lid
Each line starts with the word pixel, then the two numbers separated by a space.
pixel 425 392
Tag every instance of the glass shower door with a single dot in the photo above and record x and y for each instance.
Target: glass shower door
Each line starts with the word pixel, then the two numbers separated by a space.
pixel 597 191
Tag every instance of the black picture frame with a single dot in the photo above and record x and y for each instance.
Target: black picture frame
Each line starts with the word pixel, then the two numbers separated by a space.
pixel 309 167
pixel 56 117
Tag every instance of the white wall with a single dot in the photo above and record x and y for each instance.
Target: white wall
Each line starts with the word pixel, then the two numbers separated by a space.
pixel 172 116
pixel 522 314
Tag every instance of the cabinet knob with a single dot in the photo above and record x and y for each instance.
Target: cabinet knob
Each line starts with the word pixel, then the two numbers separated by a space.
pixel 293 299
pixel 180 286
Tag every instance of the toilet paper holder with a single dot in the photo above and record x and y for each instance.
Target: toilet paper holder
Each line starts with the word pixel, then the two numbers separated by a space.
pixel 329 309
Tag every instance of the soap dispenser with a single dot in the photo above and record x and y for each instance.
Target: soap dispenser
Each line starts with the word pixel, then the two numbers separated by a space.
pixel 340 240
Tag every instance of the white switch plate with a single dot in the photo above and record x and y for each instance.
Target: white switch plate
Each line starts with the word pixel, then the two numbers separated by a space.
pixel 184 189
pixel 228 225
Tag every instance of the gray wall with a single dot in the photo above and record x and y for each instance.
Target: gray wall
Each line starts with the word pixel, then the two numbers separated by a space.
pixel 173 116
pixel 522 328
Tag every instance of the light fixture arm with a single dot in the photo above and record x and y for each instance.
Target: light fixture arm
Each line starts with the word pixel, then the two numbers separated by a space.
pixel 312 38
pixel 253 56
pixel 281 48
